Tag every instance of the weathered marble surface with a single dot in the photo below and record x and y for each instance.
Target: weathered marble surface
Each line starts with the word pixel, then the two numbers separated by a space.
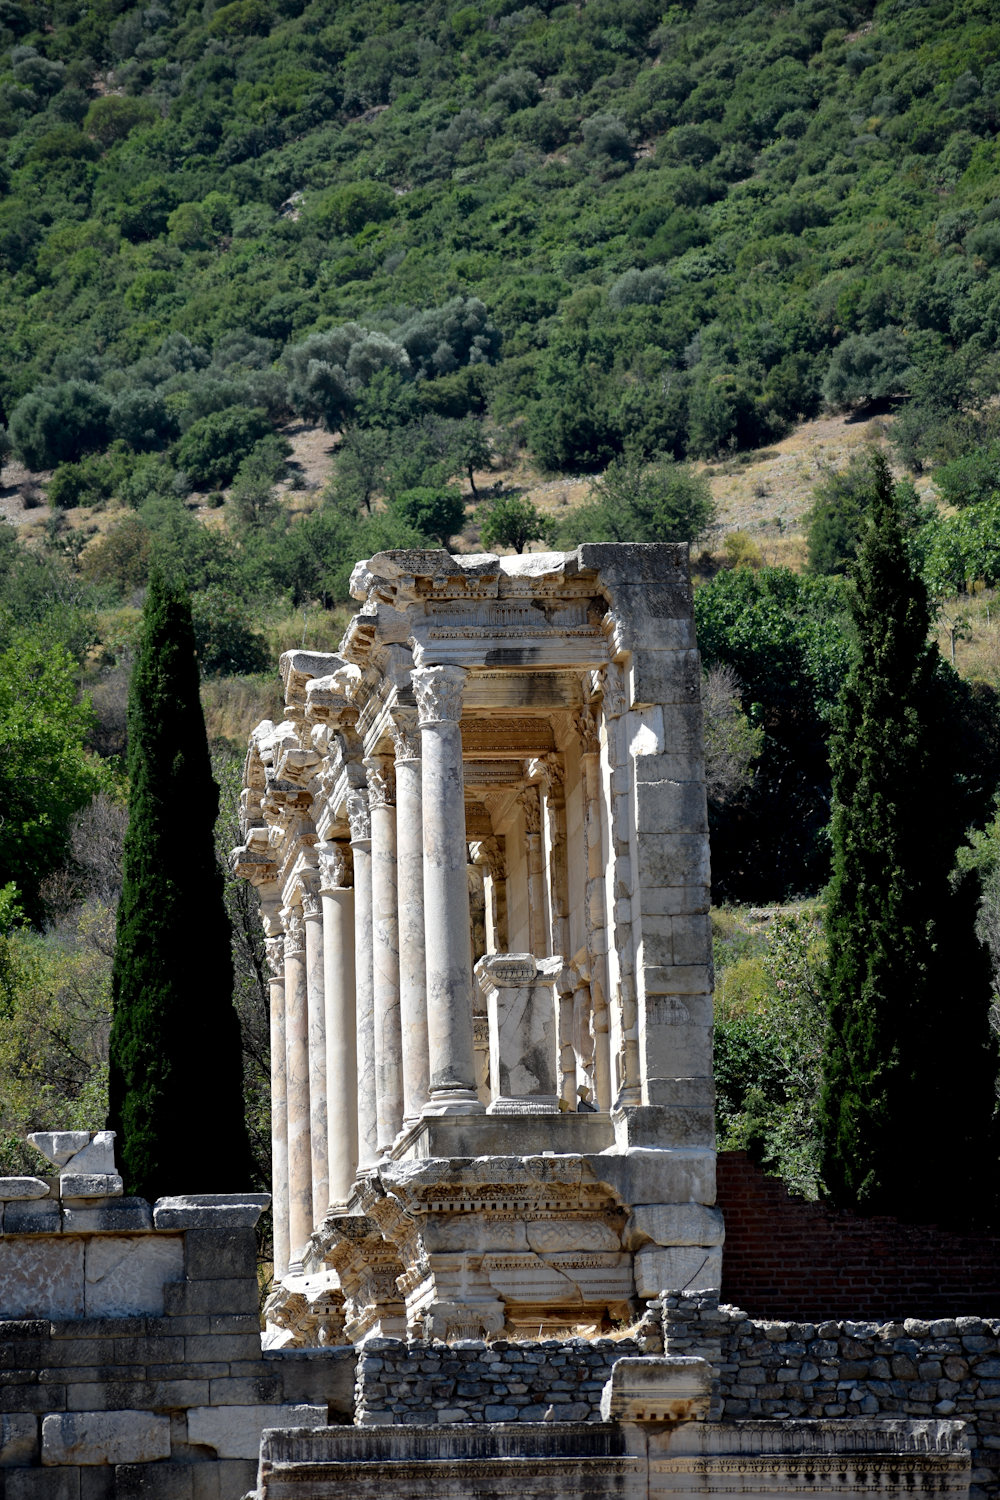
pixel 125 1277
pixel 300 1198
pixel 341 1038
pixel 364 979
pixel 235 1431
pixel 316 1008
pixel 105 1437
pixel 410 893
pixel 42 1277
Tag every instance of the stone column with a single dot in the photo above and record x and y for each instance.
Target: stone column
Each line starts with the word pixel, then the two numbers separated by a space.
pixel 446 893
pixel 537 936
pixel 300 1206
pixel 341 1023
pixel 410 892
pixel 312 911
pixel 558 870
pixel 361 844
pixel 587 727
pixel 491 855
pixel 279 1108
pixel 385 950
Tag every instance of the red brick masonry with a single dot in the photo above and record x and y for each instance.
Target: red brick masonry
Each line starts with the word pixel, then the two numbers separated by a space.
pixel 786 1258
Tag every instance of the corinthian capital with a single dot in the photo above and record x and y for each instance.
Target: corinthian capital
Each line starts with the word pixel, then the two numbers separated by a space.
pixel 381 780
pixel 438 692
pixel 358 815
pixel 405 731
pixel 532 810
pixel 336 866
pixel 295 931
pixel 275 950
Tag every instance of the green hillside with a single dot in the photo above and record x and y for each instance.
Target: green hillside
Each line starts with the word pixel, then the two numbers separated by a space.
pixel 603 224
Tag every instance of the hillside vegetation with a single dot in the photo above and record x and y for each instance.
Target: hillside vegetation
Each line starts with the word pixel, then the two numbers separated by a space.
pixel 604 224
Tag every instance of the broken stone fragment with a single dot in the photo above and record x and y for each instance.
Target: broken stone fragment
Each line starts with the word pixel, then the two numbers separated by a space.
pixel 96 1158
pixel 210 1210
pixel 59 1145
pixel 14 1188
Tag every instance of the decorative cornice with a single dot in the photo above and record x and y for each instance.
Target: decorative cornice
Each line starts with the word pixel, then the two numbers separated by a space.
pixel 358 815
pixel 381 771
pixel 438 692
pixel 405 730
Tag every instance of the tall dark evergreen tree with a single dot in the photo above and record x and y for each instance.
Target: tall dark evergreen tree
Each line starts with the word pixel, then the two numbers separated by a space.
pixel 908 1098
pixel 176 1090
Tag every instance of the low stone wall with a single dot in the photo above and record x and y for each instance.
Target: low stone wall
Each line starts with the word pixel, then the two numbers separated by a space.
pixel 145 1378
pixel 416 1382
pixel 786 1258
pixel 949 1368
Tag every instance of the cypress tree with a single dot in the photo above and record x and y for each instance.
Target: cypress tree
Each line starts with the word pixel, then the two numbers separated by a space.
pixel 908 1098
pixel 176 1084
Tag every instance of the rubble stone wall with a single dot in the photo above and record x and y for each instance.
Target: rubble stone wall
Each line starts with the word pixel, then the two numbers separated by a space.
pixel 946 1368
pixel 786 1258
pixel 417 1382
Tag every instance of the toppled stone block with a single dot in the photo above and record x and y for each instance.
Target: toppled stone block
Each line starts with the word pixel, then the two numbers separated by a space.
pixel 97 1158
pixel 22 1188
pixel 671 1388
pixel 18 1439
pixel 58 1146
pixel 105 1437
pixel 680 1267
pixel 210 1211
pixel 90 1185
pixel 235 1431
pixel 674 1224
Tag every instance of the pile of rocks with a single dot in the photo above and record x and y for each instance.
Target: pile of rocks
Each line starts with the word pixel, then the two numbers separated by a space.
pixel 471 1381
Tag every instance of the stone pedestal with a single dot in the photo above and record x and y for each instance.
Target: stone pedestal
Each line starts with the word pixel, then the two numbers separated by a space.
pixel 523 1030
pixel 446 893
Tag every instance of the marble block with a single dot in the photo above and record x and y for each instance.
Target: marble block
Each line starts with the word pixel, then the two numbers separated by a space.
pixel 58 1146
pixel 677 1268
pixel 32 1216
pixel 673 1388
pixel 95 1159
pixel 90 1185
pixel 210 1211
pixel 235 1431
pixel 521 1007
pixel 22 1188
pixel 105 1437
pixel 106 1215
pixel 41 1277
pixel 125 1276
pixel 674 1224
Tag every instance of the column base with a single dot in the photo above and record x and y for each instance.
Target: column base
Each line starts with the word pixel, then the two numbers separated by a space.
pixel 454 1102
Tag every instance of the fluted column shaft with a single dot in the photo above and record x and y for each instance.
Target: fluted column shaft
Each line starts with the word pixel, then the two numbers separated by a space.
pixel 279 1109
pixel 341 1020
pixel 410 892
pixel 446 893
pixel 300 1215
pixel 385 951
pixel 357 805
pixel 312 910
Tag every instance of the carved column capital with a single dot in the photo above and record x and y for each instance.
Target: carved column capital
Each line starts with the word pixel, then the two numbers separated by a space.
pixel 295 931
pixel 336 867
pixel 381 772
pixel 529 802
pixel 274 948
pixel 405 731
pixel 438 692
pixel 587 726
pixel 359 816
pixel 613 689
pixel 312 906
pixel 488 853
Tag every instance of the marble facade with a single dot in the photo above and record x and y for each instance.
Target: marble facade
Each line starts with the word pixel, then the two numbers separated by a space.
pixel 480 844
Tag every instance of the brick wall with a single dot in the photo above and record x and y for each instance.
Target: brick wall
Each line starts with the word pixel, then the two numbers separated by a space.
pixel 786 1258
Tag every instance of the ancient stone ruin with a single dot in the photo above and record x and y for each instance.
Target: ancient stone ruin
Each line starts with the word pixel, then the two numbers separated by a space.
pixel 479 840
